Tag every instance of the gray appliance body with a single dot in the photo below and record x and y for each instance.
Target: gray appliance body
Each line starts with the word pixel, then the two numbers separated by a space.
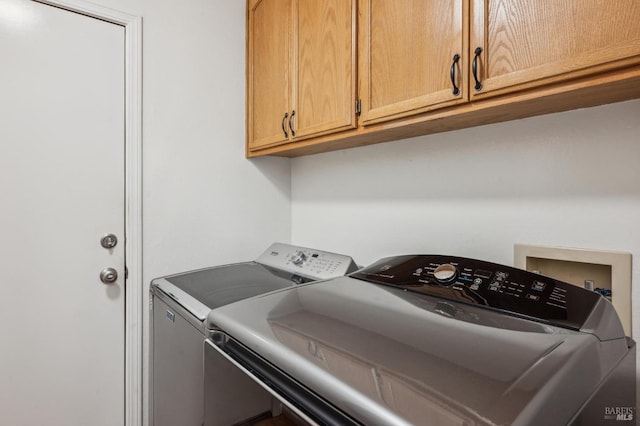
pixel 180 305
pixel 434 340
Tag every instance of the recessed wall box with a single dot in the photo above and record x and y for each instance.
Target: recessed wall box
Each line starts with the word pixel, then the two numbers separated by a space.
pixel 607 272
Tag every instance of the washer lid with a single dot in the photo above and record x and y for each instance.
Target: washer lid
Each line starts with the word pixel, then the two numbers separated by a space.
pixel 205 289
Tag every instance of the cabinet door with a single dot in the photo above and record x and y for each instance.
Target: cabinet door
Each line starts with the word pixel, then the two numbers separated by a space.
pixel 325 64
pixel 527 43
pixel 268 77
pixel 406 56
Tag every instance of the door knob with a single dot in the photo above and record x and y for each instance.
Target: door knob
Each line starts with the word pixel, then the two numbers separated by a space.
pixel 108 275
pixel 109 241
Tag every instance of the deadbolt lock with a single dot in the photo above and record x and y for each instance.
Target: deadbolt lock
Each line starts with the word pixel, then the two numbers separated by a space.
pixel 109 241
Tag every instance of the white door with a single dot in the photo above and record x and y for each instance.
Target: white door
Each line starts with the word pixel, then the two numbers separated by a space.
pixel 62 174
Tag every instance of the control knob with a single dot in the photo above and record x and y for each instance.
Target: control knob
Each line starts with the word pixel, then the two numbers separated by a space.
pixel 445 273
pixel 299 258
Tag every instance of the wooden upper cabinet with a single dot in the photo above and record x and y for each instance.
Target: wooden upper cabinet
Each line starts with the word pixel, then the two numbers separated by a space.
pixel 417 62
pixel 406 56
pixel 324 93
pixel 301 69
pixel 529 43
pixel 268 75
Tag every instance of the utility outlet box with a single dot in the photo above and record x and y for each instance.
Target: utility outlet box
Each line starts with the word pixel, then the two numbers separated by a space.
pixel 607 272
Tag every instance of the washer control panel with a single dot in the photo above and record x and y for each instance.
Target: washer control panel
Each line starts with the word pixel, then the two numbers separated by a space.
pixel 487 284
pixel 310 263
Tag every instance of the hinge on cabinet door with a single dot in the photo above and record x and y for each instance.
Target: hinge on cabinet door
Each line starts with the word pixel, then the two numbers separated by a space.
pixel 358 107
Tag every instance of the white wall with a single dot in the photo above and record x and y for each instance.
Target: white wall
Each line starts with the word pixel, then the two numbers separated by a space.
pixel 204 203
pixel 569 179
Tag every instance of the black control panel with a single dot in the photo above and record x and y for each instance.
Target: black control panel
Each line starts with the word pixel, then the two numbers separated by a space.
pixel 487 284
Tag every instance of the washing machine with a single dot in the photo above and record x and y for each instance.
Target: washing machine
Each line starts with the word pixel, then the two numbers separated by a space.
pixel 433 340
pixel 180 304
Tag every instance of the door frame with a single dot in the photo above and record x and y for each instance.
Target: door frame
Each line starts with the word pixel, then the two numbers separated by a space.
pixel 133 196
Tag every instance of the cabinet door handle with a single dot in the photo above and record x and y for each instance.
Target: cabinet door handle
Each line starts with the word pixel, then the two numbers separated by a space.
pixel 284 129
pixel 456 58
pixel 474 68
pixel 293 132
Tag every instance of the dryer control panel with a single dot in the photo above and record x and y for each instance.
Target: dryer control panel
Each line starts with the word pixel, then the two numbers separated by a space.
pixel 487 284
pixel 307 262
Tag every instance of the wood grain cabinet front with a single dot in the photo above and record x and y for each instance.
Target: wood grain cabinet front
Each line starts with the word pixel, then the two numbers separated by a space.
pixel 523 44
pixel 301 70
pixel 268 76
pixel 412 57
